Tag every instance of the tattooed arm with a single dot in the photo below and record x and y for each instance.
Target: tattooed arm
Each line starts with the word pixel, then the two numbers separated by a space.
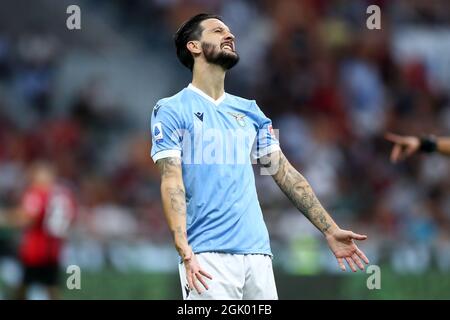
pixel 174 205
pixel 174 201
pixel 299 191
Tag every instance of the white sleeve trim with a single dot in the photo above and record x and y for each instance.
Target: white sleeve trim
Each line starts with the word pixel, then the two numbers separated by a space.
pixel 166 154
pixel 266 151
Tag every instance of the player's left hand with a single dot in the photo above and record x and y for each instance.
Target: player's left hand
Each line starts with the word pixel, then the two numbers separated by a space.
pixel 342 245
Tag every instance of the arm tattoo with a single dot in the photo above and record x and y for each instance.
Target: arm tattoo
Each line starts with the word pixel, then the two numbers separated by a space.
pixel 177 200
pixel 298 190
pixel 180 233
pixel 167 166
pixel 171 167
pixel 174 200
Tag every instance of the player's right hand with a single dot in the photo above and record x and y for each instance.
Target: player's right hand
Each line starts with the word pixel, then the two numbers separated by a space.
pixel 404 146
pixel 195 273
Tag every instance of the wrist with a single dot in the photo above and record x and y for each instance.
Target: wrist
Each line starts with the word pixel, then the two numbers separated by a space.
pixel 185 251
pixel 428 144
pixel 331 231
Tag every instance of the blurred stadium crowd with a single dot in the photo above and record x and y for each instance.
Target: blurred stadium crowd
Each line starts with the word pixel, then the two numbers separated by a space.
pixel 331 86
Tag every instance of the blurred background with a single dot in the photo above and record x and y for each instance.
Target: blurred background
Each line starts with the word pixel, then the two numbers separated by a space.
pixel 83 98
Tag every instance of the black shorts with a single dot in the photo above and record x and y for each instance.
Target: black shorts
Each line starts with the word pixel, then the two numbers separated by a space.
pixel 47 275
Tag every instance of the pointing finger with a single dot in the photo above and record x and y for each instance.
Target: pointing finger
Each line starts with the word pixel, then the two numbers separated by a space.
pixel 395 138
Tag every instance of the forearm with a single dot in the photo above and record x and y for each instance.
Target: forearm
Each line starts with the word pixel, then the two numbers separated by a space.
pixel 443 145
pixel 174 206
pixel 14 218
pixel 174 202
pixel 299 191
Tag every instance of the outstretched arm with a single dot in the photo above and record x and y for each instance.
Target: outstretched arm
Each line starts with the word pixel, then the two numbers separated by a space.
pixel 443 145
pixel 299 191
pixel 174 205
pixel 405 146
pixel 15 218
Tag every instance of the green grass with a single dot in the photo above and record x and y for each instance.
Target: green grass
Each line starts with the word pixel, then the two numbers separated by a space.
pixel 110 284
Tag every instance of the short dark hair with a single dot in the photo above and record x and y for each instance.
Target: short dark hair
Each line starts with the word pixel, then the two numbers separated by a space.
pixel 190 30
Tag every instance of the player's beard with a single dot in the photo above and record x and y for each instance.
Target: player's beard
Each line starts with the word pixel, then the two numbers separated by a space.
pixel 217 56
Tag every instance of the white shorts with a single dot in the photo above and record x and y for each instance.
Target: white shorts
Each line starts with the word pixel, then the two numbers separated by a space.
pixel 234 277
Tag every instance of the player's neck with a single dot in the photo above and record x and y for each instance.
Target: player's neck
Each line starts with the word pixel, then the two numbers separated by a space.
pixel 210 79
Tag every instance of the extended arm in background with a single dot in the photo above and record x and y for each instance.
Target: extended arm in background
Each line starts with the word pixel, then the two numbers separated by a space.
pixel 16 218
pixel 405 146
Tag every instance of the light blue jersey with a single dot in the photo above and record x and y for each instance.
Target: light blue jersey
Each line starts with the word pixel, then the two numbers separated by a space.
pixel 217 140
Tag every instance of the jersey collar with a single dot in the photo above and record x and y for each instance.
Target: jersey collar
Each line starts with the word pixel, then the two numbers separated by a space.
pixel 204 95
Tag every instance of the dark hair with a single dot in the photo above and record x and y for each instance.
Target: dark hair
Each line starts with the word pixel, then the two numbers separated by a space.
pixel 190 30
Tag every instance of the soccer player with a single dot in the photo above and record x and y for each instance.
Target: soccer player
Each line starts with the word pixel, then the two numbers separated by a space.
pixel 45 214
pixel 405 146
pixel 202 141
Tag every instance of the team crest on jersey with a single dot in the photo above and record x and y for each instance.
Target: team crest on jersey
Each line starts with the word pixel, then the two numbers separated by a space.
pixel 157 132
pixel 239 118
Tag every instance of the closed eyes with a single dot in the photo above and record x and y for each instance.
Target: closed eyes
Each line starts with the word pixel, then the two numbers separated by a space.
pixel 219 30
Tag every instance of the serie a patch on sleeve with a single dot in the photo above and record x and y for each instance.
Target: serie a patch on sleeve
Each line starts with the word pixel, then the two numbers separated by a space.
pixel 158 133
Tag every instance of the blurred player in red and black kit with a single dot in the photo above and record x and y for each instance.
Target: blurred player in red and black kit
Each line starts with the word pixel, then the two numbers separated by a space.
pixel 45 214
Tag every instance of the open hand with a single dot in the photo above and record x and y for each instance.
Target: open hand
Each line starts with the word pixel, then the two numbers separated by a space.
pixel 344 248
pixel 195 273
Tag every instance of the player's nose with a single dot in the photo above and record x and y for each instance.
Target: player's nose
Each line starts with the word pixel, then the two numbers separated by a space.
pixel 229 37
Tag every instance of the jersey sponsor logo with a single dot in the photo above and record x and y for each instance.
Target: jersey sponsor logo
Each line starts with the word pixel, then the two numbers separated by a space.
pixel 239 118
pixel 199 115
pixel 157 132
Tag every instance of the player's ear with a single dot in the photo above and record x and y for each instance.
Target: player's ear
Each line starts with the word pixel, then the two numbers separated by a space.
pixel 194 46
